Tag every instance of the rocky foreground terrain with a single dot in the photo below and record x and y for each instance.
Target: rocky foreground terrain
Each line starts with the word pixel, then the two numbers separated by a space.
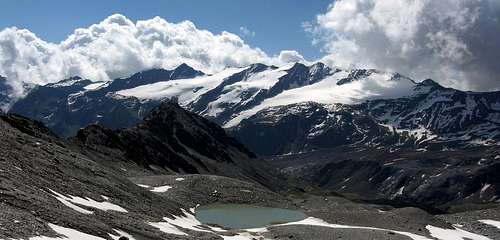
pixel 145 182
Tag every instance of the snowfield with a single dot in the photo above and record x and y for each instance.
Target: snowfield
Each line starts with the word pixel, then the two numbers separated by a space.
pixel 377 85
pixel 341 87
pixel 186 90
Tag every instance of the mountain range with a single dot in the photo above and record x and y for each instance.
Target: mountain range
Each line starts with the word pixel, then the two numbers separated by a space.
pixel 281 110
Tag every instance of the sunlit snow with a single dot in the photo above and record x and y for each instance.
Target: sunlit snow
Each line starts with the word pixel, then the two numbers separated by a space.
pixel 491 222
pixel 68 233
pixel 161 189
pixel 88 202
pixel 454 234
pixel 185 89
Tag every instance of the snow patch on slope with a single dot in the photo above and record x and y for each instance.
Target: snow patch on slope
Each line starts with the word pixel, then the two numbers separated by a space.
pixel 88 202
pixel 188 221
pixel 491 222
pixel 94 86
pixel 68 233
pixel 250 85
pixel 319 222
pixel 161 189
pixel 454 234
pixel 121 234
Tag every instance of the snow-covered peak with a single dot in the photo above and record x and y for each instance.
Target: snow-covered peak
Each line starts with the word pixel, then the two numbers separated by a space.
pixel 66 82
pixel 346 87
pixel 184 89
pixel 237 93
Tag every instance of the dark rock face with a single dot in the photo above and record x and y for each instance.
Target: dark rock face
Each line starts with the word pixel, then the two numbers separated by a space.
pixel 171 138
pixel 5 91
pixel 67 106
pixel 309 126
pixel 435 118
pixel 356 75
pixel 28 126
pixel 449 114
pixel 433 180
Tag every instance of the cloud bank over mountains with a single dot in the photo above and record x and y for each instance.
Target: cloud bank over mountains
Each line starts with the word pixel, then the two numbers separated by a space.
pixel 117 47
pixel 453 41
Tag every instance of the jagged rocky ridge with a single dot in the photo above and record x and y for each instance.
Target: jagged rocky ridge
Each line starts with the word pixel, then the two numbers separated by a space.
pixel 172 140
pixel 309 104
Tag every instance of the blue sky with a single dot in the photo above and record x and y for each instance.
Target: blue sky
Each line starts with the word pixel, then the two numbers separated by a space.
pixel 276 23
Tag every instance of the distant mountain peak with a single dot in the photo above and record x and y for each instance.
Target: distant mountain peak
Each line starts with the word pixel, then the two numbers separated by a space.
pixel 427 85
pixel 429 82
pixel 184 70
pixel 150 73
pixel 72 82
pixel 259 67
pixel 184 65
pixel 298 67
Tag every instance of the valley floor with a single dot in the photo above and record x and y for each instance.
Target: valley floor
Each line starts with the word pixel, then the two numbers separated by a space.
pixel 329 216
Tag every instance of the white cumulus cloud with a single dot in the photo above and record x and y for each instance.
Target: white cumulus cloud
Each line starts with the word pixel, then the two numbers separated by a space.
pixel 452 41
pixel 117 47
pixel 287 56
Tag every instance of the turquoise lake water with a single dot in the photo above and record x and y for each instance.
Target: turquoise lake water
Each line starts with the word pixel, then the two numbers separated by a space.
pixel 240 216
